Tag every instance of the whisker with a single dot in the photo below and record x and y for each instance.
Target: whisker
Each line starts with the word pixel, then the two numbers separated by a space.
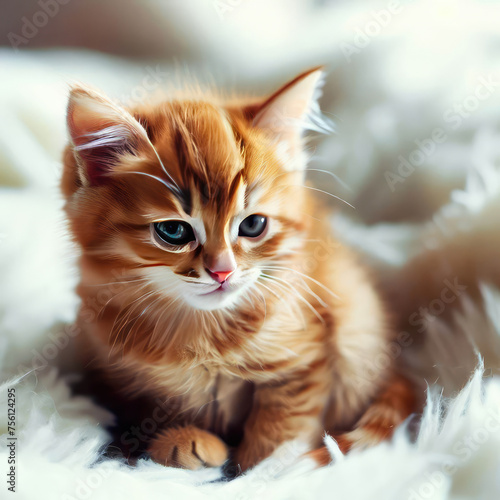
pixel 159 179
pixel 335 176
pixel 283 268
pixel 304 287
pixel 282 298
pixel 300 297
pixel 329 194
pixel 165 170
pixel 167 173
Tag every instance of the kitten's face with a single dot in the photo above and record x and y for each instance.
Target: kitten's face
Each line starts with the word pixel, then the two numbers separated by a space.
pixel 217 243
pixel 199 203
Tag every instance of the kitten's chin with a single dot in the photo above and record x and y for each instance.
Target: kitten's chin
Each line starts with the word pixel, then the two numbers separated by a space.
pixel 218 299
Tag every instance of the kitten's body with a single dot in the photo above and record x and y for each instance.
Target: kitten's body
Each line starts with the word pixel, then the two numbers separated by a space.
pixel 293 344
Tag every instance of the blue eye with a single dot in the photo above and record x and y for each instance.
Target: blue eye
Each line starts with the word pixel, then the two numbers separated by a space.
pixel 175 232
pixel 253 226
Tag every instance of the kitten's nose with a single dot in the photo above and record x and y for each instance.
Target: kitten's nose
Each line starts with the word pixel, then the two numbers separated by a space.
pixel 220 276
pixel 220 266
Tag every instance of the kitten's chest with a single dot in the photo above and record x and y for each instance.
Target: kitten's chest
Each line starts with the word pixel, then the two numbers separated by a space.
pixel 228 407
pixel 216 401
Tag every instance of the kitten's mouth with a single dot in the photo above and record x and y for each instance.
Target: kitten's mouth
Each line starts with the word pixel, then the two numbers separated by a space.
pixel 220 296
pixel 223 288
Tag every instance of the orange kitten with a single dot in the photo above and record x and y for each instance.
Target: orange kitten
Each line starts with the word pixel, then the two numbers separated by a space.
pixel 232 307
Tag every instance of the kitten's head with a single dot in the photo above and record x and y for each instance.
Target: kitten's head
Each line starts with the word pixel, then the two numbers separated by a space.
pixel 197 196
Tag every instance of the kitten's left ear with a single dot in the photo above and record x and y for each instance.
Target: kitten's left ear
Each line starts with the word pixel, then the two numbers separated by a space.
pixel 293 108
pixel 101 132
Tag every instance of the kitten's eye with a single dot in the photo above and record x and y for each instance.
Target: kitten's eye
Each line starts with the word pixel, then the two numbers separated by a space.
pixel 175 232
pixel 253 226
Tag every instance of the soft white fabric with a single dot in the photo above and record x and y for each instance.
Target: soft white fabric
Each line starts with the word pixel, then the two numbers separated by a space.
pixel 439 223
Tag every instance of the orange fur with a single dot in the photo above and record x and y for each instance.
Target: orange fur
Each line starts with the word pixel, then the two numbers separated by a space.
pixel 293 350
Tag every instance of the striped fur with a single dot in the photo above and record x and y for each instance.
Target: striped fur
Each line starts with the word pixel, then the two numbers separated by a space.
pixel 290 349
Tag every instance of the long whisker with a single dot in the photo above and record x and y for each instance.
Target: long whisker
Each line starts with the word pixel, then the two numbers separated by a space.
pixel 283 268
pixel 329 194
pixel 281 298
pixel 174 190
pixel 167 173
pixel 300 297
pixel 304 286
pixel 320 190
pixel 335 176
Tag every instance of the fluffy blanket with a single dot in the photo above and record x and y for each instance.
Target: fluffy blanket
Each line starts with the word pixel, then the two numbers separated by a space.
pixel 425 180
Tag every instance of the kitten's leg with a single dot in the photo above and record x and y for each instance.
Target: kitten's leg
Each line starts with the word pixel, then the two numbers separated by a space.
pixel 394 404
pixel 188 447
pixel 291 410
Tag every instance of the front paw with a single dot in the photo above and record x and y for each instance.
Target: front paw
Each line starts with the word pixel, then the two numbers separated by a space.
pixel 188 447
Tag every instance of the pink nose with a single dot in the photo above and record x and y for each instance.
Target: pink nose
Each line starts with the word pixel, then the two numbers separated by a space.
pixel 220 276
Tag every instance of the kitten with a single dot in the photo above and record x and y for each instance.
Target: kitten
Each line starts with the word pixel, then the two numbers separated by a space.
pixel 228 302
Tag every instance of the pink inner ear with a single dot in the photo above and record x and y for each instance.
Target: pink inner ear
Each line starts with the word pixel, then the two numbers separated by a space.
pixel 98 162
pixel 98 135
pixel 285 112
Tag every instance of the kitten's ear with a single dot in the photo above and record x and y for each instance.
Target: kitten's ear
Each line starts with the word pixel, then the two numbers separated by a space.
pixel 101 133
pixel 293 108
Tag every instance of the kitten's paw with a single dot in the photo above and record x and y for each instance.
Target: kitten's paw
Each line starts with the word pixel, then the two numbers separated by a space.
pixel 189 448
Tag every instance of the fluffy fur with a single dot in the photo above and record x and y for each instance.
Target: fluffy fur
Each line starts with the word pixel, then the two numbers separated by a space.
pixel 288 346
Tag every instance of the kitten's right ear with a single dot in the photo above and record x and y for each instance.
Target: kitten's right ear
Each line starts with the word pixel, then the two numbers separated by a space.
pixel 292 109
pixel 101 133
